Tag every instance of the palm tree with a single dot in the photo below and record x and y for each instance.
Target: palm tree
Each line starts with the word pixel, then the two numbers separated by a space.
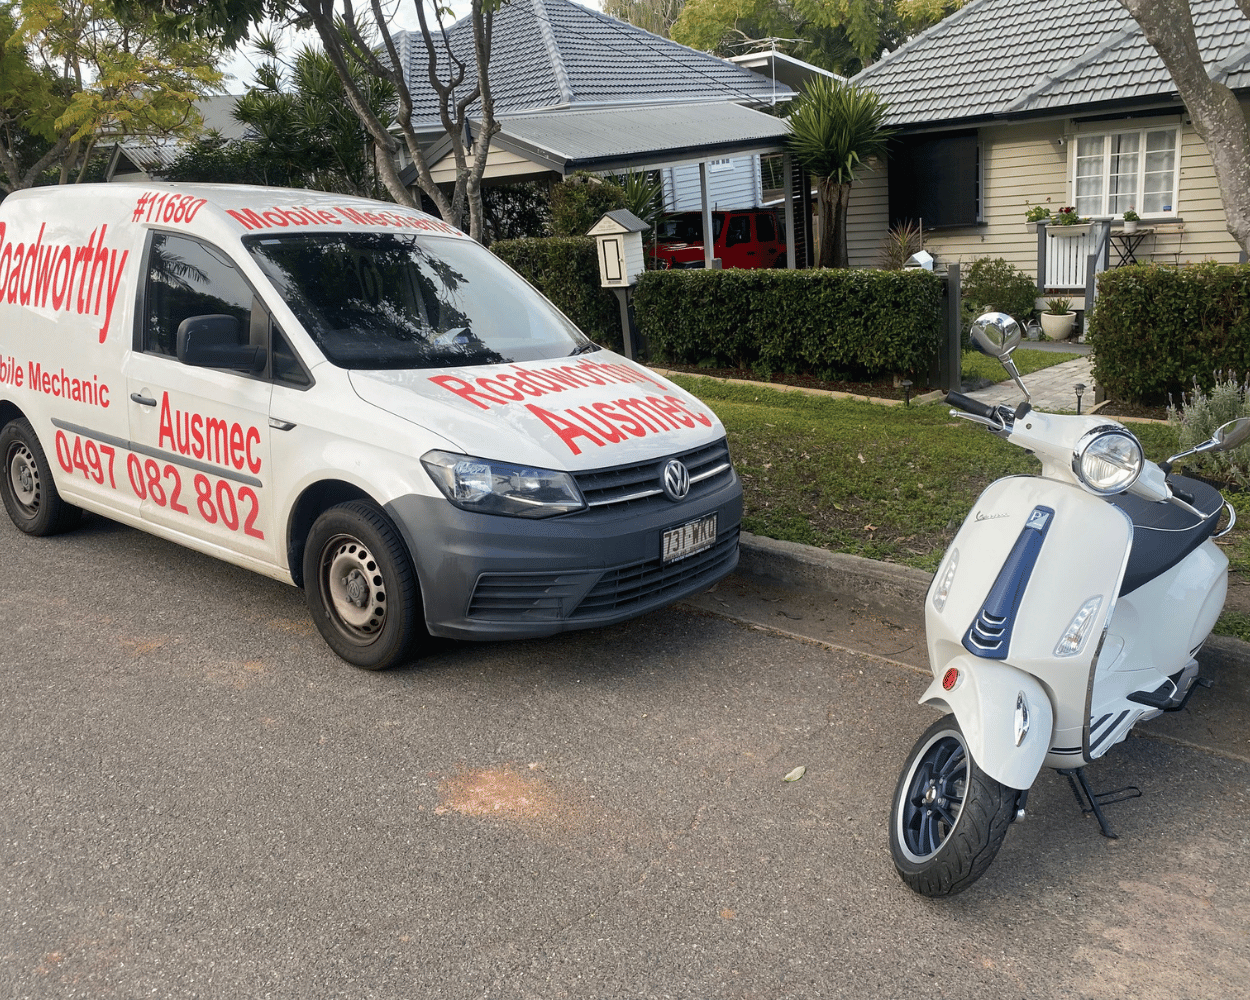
pixel 835 128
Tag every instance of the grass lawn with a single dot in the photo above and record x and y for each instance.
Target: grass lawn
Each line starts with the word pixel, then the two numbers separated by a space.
pixel 885 482
pixel 983 366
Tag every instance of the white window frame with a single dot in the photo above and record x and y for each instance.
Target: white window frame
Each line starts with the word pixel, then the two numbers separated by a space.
pixel 1103 210
pixel 725 163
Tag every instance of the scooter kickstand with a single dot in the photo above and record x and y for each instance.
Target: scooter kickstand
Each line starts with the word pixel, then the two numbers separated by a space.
pixel 1091 803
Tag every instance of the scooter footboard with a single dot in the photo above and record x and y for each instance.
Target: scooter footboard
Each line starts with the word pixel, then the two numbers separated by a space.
pixel 992 703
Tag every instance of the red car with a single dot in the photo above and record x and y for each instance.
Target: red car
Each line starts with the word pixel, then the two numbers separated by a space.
pixel 748 238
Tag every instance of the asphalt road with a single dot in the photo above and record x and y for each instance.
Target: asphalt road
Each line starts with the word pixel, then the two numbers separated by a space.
pixel 199 800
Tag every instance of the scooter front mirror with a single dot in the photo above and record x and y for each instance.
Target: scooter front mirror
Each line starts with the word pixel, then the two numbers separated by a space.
pixel 996 334
pixel 1231 434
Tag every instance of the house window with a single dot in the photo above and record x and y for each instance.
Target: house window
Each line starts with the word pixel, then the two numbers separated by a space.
pixel 718 165
pixel 936 179
pixel 1122 170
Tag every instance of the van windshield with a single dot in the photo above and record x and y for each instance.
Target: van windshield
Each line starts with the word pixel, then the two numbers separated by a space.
pixel 397 300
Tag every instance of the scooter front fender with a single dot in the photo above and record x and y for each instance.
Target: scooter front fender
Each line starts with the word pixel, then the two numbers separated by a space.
pixel 984 695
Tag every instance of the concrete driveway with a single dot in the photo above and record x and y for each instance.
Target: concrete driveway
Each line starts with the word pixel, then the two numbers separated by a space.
pixel 199 800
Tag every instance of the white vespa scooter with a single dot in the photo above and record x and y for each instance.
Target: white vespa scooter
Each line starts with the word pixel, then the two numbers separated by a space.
pixel 1068 608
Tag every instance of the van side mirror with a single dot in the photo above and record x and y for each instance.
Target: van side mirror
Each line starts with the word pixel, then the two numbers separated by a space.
pixel 213 342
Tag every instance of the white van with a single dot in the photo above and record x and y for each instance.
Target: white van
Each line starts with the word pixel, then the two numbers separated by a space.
pixel 355 398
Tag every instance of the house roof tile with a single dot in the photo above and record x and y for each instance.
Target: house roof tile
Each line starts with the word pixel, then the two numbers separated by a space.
pixel 1016 58
pixel 552 54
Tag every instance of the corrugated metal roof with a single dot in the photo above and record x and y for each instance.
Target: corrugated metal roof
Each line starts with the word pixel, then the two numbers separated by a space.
pixel 1007 58
pixel 620 139
pixel 549 54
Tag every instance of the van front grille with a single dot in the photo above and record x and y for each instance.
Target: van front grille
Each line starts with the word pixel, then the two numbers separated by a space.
pixel 640 484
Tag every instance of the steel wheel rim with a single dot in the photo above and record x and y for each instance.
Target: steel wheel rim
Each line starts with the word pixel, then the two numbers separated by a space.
pixel 933 798
pixel 353 589
pixel 24 478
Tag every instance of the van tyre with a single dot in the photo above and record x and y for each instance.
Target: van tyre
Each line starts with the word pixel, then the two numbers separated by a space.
pixel 360 586
pixel 30 495
pixel 948 817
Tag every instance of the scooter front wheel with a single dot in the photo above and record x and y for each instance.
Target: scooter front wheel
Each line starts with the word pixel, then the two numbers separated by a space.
pixel 949 817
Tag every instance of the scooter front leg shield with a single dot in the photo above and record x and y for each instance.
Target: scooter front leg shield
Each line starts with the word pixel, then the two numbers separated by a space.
pixel 1004 713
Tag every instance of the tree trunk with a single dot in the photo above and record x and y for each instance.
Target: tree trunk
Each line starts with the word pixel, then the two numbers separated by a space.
pixel 834 198
pixel 1216 113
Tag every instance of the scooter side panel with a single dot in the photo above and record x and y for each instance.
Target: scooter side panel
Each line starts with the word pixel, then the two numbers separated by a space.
pixel 1082 557
pixel 983 696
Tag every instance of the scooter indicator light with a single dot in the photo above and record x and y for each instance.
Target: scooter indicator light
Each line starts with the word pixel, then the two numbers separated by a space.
pixel 950 679
pixel 1078 629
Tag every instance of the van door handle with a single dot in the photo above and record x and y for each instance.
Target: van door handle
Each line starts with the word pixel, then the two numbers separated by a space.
pixel 143 400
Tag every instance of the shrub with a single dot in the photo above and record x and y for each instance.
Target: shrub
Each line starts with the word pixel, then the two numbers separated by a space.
pixel 821 321
pixel 1200 414
pixel 566 270
pixel 580 201
pixel 1157 330
pixel 993 284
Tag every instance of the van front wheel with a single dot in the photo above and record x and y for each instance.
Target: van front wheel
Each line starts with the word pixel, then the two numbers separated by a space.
pixel 360 586
pixel 30 496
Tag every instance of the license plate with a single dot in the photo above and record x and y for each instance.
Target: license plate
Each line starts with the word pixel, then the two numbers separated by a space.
pixel 689 538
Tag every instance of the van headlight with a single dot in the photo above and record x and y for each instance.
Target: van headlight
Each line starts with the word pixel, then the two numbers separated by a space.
pixel 1108 460
pixel 490 487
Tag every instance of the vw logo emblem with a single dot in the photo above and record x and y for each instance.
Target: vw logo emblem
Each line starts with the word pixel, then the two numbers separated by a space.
pixel 676 480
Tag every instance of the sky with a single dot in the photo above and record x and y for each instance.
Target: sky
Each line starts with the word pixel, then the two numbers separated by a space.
pixel 403 15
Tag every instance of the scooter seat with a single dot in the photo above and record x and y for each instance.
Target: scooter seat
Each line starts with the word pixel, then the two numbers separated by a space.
pixel 1163 533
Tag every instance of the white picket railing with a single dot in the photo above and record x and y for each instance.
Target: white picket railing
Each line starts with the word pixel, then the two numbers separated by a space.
pixel 1066 259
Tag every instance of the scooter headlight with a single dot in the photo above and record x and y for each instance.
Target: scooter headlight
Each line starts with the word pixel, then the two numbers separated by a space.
pixel 1108 460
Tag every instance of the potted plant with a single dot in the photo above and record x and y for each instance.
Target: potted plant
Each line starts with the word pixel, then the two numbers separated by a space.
pixel 1058 320
pixel 1066 222
pixel 1131 219
pixel 1035 214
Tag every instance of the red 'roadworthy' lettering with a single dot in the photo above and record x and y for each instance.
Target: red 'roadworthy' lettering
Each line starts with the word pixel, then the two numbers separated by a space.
pixel 507 387
pixel 209 438
pixel 607 423
pixel 38 274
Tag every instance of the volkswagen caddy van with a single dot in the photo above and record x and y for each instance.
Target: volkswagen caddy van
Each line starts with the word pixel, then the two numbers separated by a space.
pixel 352 397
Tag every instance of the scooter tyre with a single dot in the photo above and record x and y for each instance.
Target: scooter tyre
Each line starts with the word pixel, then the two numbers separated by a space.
pixel 948 817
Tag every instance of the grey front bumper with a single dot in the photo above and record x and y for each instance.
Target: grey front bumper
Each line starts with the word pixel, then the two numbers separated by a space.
pixel 488 577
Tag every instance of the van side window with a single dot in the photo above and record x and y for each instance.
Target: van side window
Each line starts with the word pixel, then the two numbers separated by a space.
pixel 284 365
pixel 188 278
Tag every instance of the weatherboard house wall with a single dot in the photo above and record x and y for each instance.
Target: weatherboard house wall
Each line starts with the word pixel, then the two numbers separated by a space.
pixel 1028 119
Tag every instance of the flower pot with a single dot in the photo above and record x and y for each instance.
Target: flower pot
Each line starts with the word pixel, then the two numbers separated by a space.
pixel 1130 225
pixel 1058 326
pixel 1069 232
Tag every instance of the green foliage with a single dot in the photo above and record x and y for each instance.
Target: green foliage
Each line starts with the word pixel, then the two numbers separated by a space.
pixel 97 76
pixel 580 201
pixel 1156 330
pixel 644 195
pixel 214 161
pixel 775 320
pixel 301 118
pixel 835 128
pixel 902 240
pixel 566 270
pixel 516 211
pixel 655 16
pixel 1200 414
pixel 993 285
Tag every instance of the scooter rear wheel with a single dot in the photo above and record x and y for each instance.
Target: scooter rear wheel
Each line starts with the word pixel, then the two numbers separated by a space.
pixel 949 817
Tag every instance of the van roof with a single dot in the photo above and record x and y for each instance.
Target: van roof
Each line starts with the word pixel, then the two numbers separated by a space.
pixel 241 207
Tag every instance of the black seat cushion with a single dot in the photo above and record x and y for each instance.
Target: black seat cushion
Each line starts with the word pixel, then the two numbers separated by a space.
pixel 1163 533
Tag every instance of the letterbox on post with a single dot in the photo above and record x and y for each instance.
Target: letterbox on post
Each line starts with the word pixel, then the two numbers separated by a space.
pixel 619 238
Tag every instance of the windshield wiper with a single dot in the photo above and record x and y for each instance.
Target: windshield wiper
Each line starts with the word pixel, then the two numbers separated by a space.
pixel 585 349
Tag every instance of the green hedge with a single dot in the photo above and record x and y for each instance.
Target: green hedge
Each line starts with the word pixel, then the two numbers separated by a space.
pixel 823 321
pixel 1154 329
pixel 566 270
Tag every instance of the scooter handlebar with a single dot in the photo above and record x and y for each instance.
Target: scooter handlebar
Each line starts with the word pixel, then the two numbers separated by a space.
pixel 973 406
